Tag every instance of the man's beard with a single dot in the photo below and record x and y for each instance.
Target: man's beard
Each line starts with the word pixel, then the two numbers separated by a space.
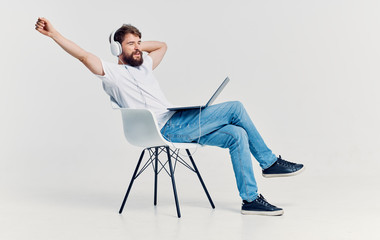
pixel 129 60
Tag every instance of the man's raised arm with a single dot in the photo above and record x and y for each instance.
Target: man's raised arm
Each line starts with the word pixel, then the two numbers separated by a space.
pixel 155 49
pixel 91 61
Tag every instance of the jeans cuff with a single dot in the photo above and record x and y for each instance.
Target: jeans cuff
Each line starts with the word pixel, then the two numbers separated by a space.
pixel 252 198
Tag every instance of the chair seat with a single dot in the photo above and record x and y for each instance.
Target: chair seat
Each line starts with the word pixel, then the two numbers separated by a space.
pixel 184 145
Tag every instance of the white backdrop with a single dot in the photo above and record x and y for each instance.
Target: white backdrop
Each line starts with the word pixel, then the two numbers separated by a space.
pixel 307 72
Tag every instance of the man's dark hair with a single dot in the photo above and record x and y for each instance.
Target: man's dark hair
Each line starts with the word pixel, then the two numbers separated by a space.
pixel 126 28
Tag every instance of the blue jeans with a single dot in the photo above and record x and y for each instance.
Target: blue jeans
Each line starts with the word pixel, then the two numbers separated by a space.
pixel 225 125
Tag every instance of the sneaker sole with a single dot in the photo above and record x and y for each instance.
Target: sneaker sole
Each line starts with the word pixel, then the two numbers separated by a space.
pixel 264 213
pixel 284 174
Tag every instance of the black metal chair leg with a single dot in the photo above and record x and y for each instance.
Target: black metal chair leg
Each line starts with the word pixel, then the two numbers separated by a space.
pixel 200 178
pixel 155 175
pixel 132 180
pixel 173 182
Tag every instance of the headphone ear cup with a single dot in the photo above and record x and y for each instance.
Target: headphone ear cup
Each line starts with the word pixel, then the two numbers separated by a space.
pixel 120 50
pixel 116 48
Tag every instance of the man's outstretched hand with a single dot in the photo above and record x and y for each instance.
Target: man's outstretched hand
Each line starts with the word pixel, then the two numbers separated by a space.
pixel 45 27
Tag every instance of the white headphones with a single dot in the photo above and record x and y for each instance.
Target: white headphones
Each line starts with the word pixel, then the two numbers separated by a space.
pixel 116 49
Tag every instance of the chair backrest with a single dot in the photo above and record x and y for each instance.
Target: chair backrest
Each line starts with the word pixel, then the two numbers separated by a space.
pixel 140 128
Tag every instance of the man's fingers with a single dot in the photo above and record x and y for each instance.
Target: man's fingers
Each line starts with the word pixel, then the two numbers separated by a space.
pixel 40 25
pixel 44 20
pixel 40 22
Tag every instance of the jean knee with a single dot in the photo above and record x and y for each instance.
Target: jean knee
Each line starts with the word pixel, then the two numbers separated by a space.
pixel 237 105
pixel 241 134
pixel 236 135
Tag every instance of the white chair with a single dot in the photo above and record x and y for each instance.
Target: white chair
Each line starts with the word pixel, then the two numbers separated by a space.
pixel 141 129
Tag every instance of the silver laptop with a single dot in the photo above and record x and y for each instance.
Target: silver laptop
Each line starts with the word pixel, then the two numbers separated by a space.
pixel 212 99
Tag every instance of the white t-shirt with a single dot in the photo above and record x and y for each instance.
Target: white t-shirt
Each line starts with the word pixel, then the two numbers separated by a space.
pixel 136 87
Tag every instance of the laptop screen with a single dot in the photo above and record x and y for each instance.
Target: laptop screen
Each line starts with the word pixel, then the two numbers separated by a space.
pixel 218 91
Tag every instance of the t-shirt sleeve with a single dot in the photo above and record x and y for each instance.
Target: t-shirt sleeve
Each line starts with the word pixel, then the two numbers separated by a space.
pixel 109 76
pixel 148 61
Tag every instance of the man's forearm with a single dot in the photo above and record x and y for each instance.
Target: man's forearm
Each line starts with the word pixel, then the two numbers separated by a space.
pixel 156 51
pixel 150 46
pixel 69 46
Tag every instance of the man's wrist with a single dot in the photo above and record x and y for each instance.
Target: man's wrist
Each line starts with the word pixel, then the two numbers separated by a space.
pixel 54 35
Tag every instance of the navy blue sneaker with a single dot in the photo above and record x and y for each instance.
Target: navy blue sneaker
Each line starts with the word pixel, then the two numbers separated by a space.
pixel 260 206
pixel 283 168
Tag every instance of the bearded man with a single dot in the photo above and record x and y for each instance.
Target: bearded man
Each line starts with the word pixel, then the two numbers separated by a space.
pixel 131 84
